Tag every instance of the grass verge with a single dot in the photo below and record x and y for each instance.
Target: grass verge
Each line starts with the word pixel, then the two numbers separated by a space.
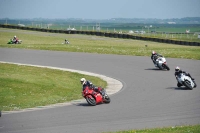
pixel 27 87
pixel 95 44
pixel 176 129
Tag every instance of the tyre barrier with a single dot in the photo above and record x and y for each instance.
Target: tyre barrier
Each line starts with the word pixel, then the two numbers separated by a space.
pixel 124 36
pixel 111 35
pixel 133 37
pixel 169 41
pixel 128 36
pixel 78 32
pixel 181 42
pixel 97 34
pixel 102 33
pixel 87 32
pixel 150 39
pixel 61 31
pixel 177 42
pixel 145 38
pixel 83 32
pixel 116 35
pixel 92 33
pixel 44 30
pixel 138 37
pixel 119 35
pixel 106 34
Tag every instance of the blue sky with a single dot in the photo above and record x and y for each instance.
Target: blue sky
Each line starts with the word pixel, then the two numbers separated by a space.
pixel 99 9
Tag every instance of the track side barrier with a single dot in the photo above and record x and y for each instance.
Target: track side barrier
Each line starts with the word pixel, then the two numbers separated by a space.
pixel 106 34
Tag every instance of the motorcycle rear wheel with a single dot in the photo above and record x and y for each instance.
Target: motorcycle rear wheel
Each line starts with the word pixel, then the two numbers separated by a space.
pixel 91 101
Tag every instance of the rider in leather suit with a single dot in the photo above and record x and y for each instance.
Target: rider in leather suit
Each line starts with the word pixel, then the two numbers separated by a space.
pixel 178 71
pixel 155 56
pixel 86 83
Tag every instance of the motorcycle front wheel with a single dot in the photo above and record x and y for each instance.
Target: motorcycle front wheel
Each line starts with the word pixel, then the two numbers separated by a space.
pixel 91 100
pixel 167 67
pixel 187 84
pixel 107 99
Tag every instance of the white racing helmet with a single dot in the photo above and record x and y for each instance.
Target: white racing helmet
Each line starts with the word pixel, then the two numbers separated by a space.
pixel 177 69
pixel 153 52
pixel 83 81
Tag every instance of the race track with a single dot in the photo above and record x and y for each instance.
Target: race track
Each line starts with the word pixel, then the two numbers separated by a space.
pixel 149 97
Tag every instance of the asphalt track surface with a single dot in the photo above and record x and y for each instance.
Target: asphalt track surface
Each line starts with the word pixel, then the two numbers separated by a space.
pixel 149 97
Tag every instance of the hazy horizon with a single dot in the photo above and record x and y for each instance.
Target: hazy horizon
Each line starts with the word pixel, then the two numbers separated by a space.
pixel 93 9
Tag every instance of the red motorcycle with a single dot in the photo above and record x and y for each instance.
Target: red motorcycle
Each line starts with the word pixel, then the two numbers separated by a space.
pixel 93 98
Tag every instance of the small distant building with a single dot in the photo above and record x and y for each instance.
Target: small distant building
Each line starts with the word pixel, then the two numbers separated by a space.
pixel 131 32
pixel 136 31
pixel 70 29
pixel 199 36
pixel 187 31
pixel 171 22
pixel 142 32
pixel 21 25
pixel 73 29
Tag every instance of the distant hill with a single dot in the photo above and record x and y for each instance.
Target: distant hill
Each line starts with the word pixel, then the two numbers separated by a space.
pixel 187 20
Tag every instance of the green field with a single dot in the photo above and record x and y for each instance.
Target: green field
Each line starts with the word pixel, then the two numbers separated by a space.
pixel 26 87
pixel 95 44
pixel 174 129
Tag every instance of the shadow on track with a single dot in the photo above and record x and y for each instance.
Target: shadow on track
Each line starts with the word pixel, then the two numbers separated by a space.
pixel 178 88
pixel 82 104
pixel 155 69
pixel 86 104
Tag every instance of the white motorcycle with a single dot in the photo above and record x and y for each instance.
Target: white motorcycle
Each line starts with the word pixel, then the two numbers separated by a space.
pixel 161 63
pixel 185 81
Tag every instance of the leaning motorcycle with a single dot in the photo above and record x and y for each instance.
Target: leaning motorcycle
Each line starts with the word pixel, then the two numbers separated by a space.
pixel 12 42
pixel 93 98
pixel 185 81
pixel 161 63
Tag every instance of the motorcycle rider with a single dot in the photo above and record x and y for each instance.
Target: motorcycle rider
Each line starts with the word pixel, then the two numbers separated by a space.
pixel 86 83
pixel 15 39
pixel 179 71
pixel 155 56
pixel 66 41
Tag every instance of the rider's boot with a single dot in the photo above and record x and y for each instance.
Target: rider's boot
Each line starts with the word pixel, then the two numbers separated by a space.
pixel 179 85
pixel 155 63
